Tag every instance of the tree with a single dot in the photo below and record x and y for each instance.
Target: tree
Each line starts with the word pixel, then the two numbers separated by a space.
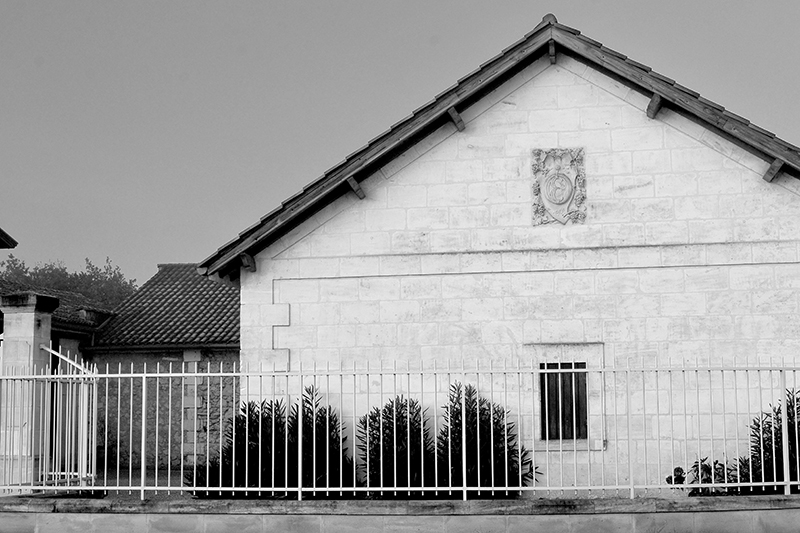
pixel 396 449
pixel 105 285
pixel 488 440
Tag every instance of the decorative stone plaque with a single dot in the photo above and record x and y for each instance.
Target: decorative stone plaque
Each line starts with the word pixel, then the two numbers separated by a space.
pixel 559 186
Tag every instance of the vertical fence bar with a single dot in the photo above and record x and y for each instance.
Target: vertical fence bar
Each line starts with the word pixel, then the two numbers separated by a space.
pixel 787 467
pixel 491 428
pixel 341 431
pixel 246 447
pixel 355 423
pixel 169 426
pixel 505 424
pixel 143 451
pixel 435 422
pixel 725 477
pixel 794 417
pixel 628 418
pixel 463 438
pixel 158 410
pixel 300 434
pixel 736 423
pixel 643 375
pixel 520 438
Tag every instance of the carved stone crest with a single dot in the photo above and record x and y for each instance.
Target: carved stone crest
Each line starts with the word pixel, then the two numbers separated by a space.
pixel 559 186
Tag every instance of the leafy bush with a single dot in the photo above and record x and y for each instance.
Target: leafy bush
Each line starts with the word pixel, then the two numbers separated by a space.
pixel 763 463
pixel 326 464
pixel 247 458
pixel 701 472
pixel 488 442
pixel 261 450
pixel 396 449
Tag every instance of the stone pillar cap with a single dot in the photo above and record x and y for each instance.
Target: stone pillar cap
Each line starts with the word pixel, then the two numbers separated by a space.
pixel 29 299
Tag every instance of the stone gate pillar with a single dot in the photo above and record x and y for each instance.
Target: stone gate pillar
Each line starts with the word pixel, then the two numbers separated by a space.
pixel 27 319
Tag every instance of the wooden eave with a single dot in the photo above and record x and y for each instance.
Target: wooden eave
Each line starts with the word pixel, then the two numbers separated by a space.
pixel 159 347
pixel 375 154
pixel 225 262
pixel 6 241
pixel 672 95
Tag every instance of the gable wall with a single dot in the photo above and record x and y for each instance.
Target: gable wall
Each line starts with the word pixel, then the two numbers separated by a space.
pixel 686 256
pixel 441 257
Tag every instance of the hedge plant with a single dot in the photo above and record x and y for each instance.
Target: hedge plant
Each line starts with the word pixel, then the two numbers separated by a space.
pixel 396 449
pixel 762 464
pixel 261 450
pixel 488 440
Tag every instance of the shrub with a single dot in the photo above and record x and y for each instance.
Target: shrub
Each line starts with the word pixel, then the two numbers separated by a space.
pixel 247 456
pixel 763 463
pixel 701 472
pixel 261 450
pixel 488 441
pixel 326 464
pixel 396 449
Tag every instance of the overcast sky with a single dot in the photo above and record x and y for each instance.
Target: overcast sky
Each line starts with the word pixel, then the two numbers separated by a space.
pixel 153 132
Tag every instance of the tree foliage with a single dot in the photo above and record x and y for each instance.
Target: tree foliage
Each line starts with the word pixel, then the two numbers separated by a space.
pixel 105 284
pixel 262 449
pixel 763 465
pixel 481 432
pixel 396 448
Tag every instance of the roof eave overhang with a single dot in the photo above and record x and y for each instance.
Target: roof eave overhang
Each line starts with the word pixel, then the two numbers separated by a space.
pixel 6 241
pixel 161 347
pixel 709 114
pixel 226 261
pixel 378 152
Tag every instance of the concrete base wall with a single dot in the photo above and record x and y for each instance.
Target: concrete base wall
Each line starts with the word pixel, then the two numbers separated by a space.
pixel 727 515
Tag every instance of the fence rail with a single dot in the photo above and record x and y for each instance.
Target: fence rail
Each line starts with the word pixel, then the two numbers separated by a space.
pixel 551 429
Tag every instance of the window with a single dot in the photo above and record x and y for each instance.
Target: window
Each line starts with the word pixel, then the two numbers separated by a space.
pixel 563 402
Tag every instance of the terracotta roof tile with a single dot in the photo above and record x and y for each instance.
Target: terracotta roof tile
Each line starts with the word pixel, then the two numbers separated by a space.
pixel 177 306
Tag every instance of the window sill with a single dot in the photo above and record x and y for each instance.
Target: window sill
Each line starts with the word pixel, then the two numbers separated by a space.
pixel 570 445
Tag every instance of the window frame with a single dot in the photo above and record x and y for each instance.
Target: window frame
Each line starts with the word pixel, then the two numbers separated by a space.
pixel 563 402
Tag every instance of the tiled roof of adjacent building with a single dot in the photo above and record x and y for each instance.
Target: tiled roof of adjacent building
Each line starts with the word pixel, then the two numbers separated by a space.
pixel 548 38
pixel 176 307
pixel 74 310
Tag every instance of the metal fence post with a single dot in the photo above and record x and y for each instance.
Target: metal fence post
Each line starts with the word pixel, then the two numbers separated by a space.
pixel 787 480
pixel 464 438
pixel 628 419
pixel 300 436
pixel 144 432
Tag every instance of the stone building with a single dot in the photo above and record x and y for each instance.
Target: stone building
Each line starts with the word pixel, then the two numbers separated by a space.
pixel 443 237
pixel 561 204
pixel 176 323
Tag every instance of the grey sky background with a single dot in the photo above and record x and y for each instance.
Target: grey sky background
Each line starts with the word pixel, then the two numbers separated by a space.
pixel 153 132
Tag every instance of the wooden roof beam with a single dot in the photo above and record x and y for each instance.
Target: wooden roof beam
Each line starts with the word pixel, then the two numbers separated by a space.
pixel 456 118
pixel 248 263
pixel 551 51
pixel 351 181
pixel 773 170
pixel 654 106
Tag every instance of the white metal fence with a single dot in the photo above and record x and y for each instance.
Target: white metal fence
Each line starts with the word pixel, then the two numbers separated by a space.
pixel 47 432
pixel 557 429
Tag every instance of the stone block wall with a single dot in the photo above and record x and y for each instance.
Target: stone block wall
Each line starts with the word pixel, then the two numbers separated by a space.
pixel 686 257
pixel 182 414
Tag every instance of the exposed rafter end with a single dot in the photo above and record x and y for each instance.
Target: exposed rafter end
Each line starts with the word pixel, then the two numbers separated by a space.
pixel 248 263
pixel 654 106
pixel 351 181
pixel 552 51
pixel 456 118
pixel 773 170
